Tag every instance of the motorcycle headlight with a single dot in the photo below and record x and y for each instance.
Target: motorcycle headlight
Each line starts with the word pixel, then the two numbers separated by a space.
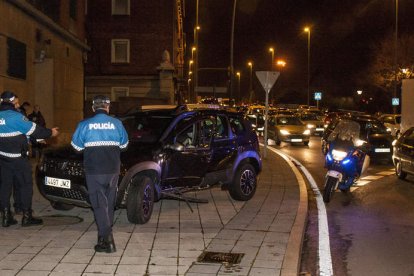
pixel 359 142
pixel 284 132
pixel 306 132
pixel 339 155
pixel 311 126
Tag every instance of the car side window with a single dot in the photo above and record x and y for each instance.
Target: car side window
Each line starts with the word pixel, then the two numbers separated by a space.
pixel 236 125
pixel 206 132
pixel 187 137
pixel 222 131
pixel 408 137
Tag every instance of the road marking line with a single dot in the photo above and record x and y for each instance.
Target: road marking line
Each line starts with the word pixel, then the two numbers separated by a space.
pixel 324 250
pixel 385 173
pixel 362 183
pixel 372 177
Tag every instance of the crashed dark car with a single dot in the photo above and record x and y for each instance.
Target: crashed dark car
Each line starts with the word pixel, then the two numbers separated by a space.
pixel 170 152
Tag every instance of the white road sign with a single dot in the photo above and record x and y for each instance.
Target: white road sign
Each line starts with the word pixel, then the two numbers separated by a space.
pixel 267 79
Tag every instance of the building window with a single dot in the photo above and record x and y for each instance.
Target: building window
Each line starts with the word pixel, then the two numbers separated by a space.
pixel 120 7
pixel 73 6
pixel 16 57
pixel 120 51
pixel 117 92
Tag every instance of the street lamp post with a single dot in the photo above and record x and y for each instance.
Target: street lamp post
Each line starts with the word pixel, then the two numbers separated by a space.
pixel 272 51
pixel 308 30
pixel 196 30
pixel 238 84
pixel 250 64
pixel 395 55
pixel 231 48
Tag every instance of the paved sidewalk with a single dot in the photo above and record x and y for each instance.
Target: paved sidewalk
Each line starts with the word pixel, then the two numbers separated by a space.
pixel 268 230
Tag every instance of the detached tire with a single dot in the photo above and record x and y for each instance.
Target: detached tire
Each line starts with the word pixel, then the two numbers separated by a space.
pixel 244 183
pixel 140 201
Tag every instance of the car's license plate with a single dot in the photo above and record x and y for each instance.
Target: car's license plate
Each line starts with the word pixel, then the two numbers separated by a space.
pixel 320 129
pixel 383 150
pixel 296 140
pixel 57 182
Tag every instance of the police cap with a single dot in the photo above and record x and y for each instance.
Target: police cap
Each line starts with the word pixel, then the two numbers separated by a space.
pixel 8 96
pixel 100 99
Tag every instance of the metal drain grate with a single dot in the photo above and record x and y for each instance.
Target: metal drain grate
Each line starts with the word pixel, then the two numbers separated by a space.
pixel 220 257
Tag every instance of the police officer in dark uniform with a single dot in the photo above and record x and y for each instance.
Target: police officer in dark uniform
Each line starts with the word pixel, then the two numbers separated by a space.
pixel 101 139
pixel 14 162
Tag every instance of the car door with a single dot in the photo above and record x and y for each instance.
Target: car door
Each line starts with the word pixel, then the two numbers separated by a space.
pixel 190 158
pixel 405 150
pixel 224 150
pixel 271 129
pixel 408 150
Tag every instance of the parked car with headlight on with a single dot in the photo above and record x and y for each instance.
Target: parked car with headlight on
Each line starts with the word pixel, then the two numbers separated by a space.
pixel 403 156
pixel 288 129
pixel 392 122
pixel 313 122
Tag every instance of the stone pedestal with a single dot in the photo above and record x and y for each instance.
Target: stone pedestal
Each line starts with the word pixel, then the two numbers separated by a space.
pixel 166 73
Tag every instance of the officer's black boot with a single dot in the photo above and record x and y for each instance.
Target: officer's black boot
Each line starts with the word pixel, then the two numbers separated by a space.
pixel 111 248
pixel 7 218
pixel 29 220
pixel 105 244
pixel 100 246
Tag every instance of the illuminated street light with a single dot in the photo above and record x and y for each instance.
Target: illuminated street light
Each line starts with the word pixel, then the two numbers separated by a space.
pixel 308 30
pixel 272 51
pixel 359 92
pixel 281 63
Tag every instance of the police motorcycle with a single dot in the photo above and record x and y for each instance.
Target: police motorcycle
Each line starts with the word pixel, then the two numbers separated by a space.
pixel 346 159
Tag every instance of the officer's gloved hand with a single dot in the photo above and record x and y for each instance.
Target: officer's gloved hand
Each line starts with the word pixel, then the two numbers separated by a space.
pixel 55 132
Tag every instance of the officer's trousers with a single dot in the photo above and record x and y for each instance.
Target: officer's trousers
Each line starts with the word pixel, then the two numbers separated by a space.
pixel 102 190
pixel 18 171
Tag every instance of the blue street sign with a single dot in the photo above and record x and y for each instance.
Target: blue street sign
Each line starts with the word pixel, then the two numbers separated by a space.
pixel 318 96
pixel 395 101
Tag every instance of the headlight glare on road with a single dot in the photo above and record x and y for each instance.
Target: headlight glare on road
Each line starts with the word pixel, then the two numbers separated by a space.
pixel 306 132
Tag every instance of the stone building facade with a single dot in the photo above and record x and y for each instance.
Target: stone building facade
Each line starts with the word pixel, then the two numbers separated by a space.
pixel 42 46
pixel 137 51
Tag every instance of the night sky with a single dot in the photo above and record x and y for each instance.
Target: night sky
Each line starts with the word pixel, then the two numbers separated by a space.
pixel 343 34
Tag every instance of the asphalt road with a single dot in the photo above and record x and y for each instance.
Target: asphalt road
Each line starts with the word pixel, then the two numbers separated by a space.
pixel 371 228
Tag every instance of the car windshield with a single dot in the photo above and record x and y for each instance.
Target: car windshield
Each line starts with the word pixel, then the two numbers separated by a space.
pixel 146 128
pixel 345 130
pixel 309 117
pixel 373 127
pixel 289 121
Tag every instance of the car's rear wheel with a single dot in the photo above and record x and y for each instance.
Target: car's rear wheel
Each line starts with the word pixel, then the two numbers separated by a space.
pixel 61 206
pixel 140 201
pixel 306 143
pixel 399 171
pixel 244 183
